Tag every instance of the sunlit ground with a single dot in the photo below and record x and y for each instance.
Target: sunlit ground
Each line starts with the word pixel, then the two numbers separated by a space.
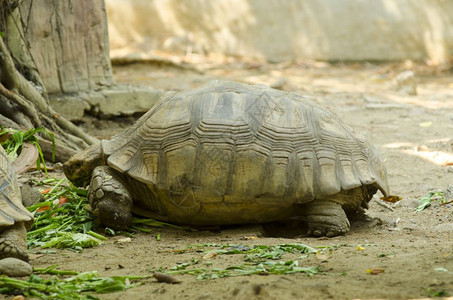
pixel 343 87
pixel 441 158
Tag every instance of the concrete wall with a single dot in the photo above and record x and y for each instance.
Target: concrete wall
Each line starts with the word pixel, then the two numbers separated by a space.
pixel 287 29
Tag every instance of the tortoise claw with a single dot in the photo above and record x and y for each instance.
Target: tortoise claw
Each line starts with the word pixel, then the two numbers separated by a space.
pixel 113 216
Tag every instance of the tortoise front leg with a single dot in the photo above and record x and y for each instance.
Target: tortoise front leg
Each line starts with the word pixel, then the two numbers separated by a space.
pixel 12 242
pixel 326 218
pixel 109 198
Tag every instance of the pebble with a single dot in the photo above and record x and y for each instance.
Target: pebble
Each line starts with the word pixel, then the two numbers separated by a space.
pixel 443 227
pixel 405 83
pixel 30 195
pixel 14 267
pixel 279 83
pixel 448 194
pixel 410 203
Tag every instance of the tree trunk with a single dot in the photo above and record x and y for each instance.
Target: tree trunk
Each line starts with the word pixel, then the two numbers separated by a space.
pixel 24 103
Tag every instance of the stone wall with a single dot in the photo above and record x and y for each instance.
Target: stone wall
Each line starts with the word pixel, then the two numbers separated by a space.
pixel 279 30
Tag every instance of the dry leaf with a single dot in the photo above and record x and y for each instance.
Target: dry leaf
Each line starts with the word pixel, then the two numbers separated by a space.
pixel 250 237
pixel 426 124
pixel 33 256
pixel 375 271
pixel 62 200
pixel 124 240
pixel 45 191
pixel 391 198
pixel 324 255
pixel 210 255
pixel 162 277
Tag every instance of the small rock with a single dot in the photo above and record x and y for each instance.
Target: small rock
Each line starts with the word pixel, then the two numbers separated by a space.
pixel 394 223
pixel 246 230
pixel 209 255
pixel 410 226
pixel 14 267
pixel 405 83
pixel 162 277
pixel 124 240
pixel 279 83
pixel 448 194
pixel 258 289
pixel 443 227
pixel 30 195
pixel 409 203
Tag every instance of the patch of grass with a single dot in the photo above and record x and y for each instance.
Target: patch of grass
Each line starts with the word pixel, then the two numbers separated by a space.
pixel 263 268
pixel 154 223
pixel 259 253
pixel 16 138
pixel 258 259
pixel 57 286
pixel 428 198
pixel 432 293
pixel 62 220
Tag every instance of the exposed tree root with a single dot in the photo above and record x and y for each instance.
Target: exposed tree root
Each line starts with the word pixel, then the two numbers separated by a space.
pixel 26 107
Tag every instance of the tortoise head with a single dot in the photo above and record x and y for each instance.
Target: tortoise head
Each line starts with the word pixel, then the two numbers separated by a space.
pixel 78 168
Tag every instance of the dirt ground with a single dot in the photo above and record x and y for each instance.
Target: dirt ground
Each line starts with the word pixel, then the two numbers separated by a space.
pixel 413 133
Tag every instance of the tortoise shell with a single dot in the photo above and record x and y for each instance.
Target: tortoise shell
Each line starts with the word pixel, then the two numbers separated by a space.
pixel 11 207
pixel 229 142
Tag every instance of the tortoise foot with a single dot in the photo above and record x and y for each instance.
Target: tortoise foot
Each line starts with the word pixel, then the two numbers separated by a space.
pixel 326 218
pixel 12 242
pixel 109 198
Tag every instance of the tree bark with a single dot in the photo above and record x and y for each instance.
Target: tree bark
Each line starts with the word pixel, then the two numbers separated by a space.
pixel 23 97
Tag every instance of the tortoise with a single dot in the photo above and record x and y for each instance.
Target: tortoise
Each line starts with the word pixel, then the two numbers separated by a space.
pixel 232 153
pixel 15 219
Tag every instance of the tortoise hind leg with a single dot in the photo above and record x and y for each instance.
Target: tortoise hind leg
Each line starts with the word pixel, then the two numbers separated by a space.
pixel 326 218
pixel 12 242
pixel 109 198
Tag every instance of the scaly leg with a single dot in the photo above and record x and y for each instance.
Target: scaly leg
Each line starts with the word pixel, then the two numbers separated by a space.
pixel 326 218
pixel 12 242
pixel 109 198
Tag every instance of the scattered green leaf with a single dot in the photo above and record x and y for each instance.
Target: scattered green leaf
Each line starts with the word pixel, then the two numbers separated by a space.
pixel 17 138
pixel 71 240
pixel 263 268
pixel 259 259
pixel 78 286
pixel 53 270
pixel 62 220
pixel 258 252
pixel 426 200
pixel 154 223
pixel 440 269
pixel 432 293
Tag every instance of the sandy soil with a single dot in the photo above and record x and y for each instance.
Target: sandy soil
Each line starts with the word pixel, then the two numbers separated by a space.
pixel 413 134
